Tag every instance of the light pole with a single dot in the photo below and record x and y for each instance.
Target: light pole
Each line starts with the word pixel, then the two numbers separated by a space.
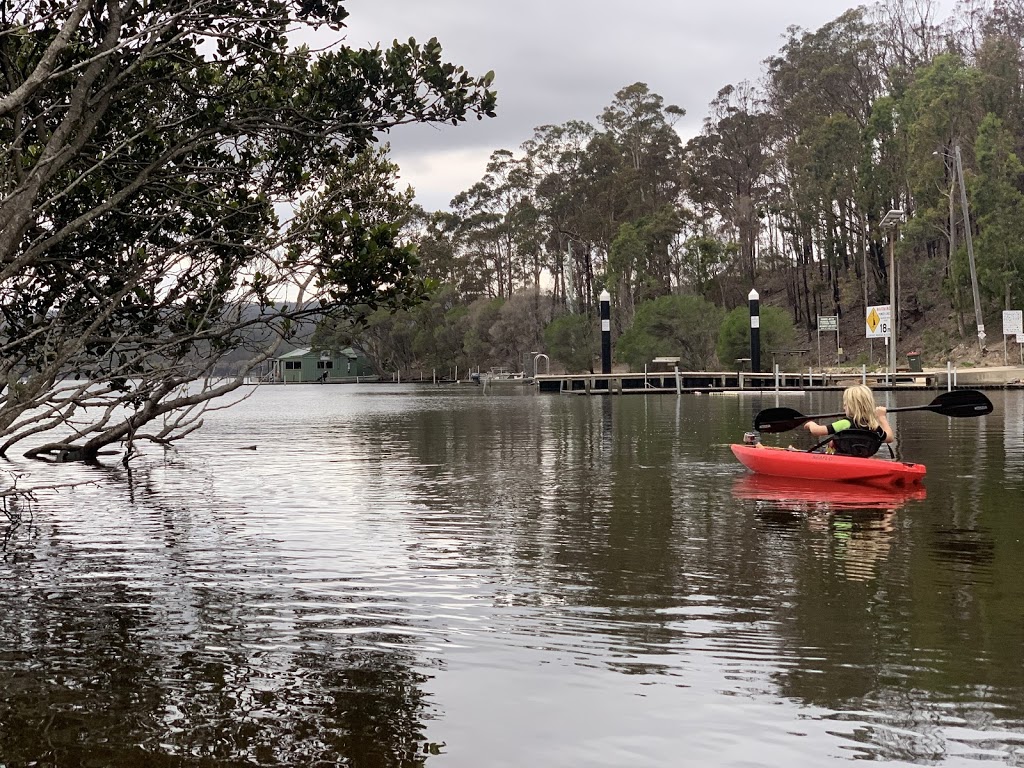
pixel 891 221
pixel 958 180
pixel 970 250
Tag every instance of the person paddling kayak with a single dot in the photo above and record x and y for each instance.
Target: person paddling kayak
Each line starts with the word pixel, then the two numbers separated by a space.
pixel 862 415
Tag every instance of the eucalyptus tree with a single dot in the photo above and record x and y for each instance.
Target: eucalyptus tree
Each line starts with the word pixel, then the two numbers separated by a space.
pixel 909 36
pixel 1000 62
pixel 557 154
pixel 940 112
pixel 637 182
pixel 703 259
pixel 499 224
pixel 478 342
pixel 728 165
pixel 441 324
pixel 641 262
pixel 148 148
pixel 640 125
pixel 822 88
pixel 998 196
pixel 518 330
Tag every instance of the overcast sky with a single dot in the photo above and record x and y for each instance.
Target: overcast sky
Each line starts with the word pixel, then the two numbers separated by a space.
pixel 560 60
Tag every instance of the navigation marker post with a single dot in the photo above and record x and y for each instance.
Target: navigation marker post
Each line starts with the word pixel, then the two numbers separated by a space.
pixel 606 332
pixel 755 331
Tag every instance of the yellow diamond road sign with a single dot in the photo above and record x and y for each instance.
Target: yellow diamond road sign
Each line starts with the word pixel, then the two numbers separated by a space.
pixel 877 322
pixel 873 320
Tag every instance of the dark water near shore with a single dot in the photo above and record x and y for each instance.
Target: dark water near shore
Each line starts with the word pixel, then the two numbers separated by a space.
pixel 403 576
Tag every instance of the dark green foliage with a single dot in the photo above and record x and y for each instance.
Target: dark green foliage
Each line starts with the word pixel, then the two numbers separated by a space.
pixel 671 326
pixel 776 335
pixel 143 175
pixel 572 341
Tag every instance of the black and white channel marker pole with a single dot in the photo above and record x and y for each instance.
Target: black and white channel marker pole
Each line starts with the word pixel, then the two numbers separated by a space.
pixel 606 332
pixel 755 331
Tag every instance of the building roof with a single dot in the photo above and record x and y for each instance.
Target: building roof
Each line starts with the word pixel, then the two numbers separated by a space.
pixel 348 352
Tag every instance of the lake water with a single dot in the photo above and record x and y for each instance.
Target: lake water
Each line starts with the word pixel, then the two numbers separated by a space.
pixel 404 576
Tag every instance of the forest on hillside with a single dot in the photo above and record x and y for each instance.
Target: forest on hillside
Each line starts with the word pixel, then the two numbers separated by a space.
pixel 785 188
pixel 184 191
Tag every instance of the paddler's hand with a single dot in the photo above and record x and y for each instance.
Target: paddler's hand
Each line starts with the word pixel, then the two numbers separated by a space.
pixel 880 410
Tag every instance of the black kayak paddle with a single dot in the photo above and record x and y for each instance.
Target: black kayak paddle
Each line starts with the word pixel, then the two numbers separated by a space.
pixel 958 403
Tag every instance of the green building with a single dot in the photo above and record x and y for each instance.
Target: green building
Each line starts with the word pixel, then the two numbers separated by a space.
pixel 305 366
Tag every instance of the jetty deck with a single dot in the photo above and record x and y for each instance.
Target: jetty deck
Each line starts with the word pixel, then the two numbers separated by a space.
pixel 706 382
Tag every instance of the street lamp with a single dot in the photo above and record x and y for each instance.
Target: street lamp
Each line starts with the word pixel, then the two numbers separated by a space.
pixel 891 221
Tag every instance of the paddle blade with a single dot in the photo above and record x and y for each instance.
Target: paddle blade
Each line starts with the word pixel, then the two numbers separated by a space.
pixel 779 420
pixel 961 403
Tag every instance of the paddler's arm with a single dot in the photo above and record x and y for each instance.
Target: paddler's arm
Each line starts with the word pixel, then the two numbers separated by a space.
pixel 820 430
pixel 883 422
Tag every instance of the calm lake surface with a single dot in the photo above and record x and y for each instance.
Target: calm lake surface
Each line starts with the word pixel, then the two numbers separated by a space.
pixel 405 576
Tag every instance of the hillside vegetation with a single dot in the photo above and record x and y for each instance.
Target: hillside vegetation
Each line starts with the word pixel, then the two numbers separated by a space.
pixel 785 189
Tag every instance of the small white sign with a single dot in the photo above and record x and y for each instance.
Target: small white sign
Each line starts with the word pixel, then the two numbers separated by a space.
pixel 828 322
pixel 1012 322
pixel 877 322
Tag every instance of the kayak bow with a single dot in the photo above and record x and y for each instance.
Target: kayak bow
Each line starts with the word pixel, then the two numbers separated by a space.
pixel 801 465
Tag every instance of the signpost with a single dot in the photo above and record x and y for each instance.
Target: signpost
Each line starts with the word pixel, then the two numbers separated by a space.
pixel 1013 325
pixel 828 323
pixel 879 326
pixel 877 322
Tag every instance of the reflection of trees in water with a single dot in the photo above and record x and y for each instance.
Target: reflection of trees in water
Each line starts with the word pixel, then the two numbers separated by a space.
pixel 913 657
pixel 116 655
pixel 588 510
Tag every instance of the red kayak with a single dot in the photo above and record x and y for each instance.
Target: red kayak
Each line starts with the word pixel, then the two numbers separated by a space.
pixel 801 465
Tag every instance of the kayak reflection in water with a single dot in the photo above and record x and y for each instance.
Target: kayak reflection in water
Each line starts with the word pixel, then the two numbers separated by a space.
pixel 863 416
pixel 804 496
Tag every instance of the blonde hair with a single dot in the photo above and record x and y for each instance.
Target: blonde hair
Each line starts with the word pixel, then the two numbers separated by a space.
pixel 859 404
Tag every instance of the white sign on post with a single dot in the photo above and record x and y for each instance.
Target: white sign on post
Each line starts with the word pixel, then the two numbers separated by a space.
pixel 1013 326
pixel 1013 322
pixel 828 323
pixel 877 322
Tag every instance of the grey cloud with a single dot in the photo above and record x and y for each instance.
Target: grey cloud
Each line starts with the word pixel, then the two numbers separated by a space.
pixel 559 60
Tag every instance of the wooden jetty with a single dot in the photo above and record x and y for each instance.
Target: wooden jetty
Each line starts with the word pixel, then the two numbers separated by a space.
pixel 736 382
